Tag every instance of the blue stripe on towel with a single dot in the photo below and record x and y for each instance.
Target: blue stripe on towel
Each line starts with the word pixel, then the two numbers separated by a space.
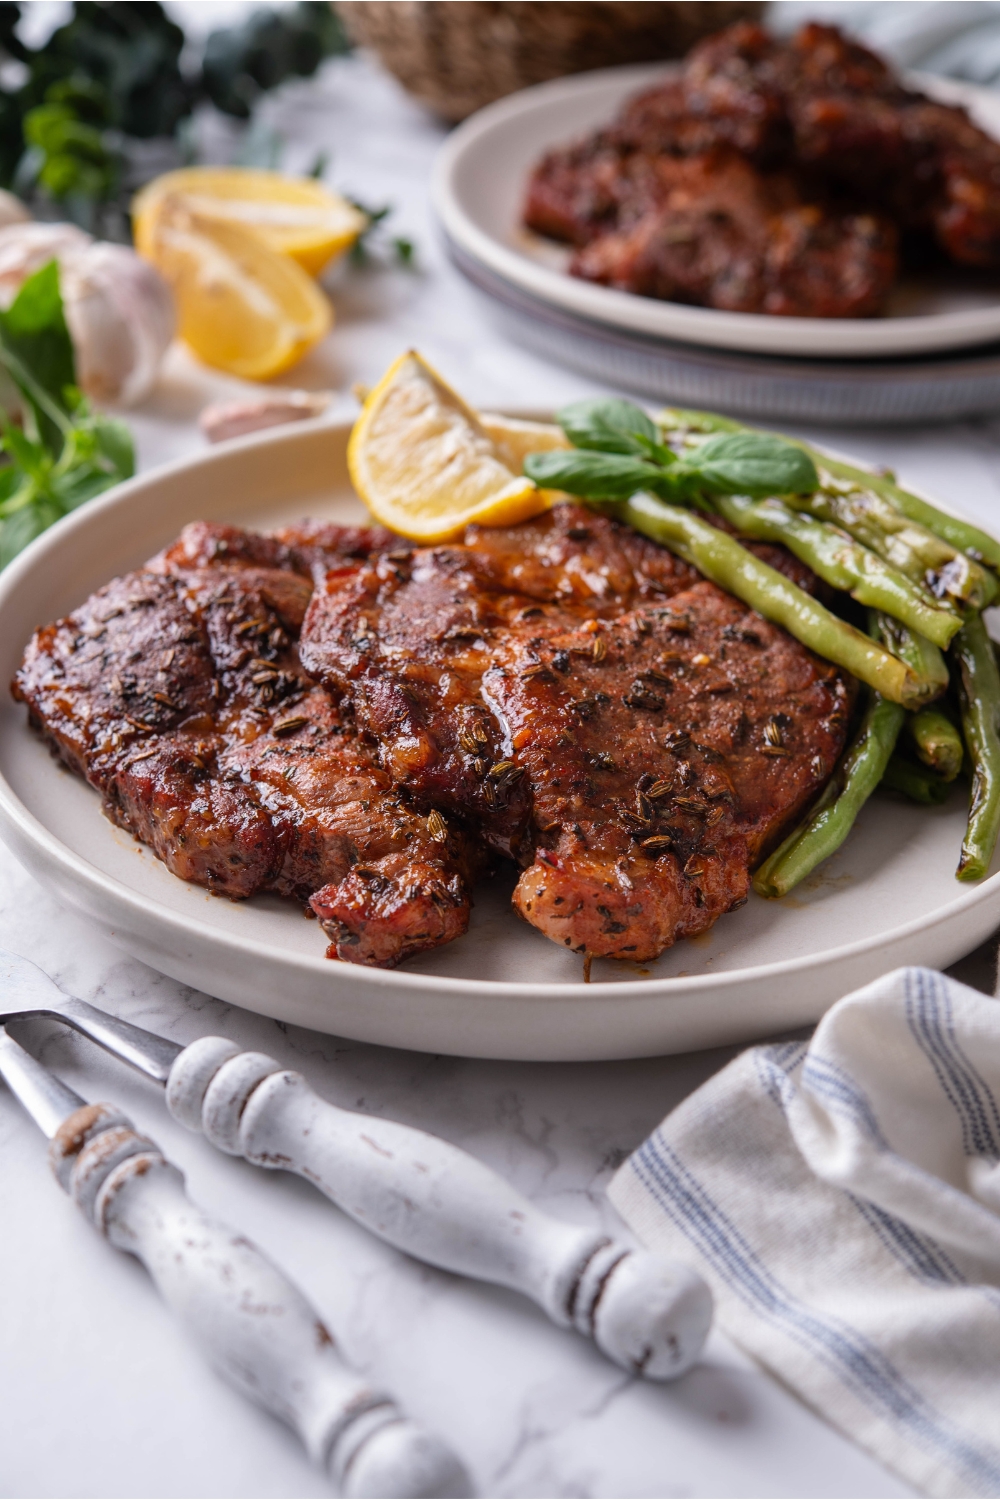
pixel 841 1094
pixel 859 1364
pixel 775 1065
pixel 923 1257
pixel 929 1014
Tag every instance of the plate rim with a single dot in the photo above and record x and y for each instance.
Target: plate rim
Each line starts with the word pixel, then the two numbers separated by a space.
pixel 712 328
pixel 15 815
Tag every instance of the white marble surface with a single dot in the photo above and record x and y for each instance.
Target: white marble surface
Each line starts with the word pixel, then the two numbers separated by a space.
pixel 99 1395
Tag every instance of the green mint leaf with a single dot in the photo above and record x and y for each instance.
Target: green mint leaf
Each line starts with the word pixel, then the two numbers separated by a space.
pixel 22 528
pixel 596 476
pixel 753 463
pixel 37 351
pixel 114 443
pixel 607 426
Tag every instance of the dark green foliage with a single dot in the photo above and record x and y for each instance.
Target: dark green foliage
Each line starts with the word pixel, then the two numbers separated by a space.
pixel 113 74
pixel 242 62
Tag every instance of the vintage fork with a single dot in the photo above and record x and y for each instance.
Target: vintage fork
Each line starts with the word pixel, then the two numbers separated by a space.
pixel 255 1326
pixel 423 1195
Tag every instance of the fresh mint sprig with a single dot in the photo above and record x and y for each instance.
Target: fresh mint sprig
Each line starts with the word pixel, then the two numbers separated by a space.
pixel 617 451
pixel 62 454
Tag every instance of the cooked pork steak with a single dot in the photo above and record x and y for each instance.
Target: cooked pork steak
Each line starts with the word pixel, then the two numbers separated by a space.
pixel 633 736
pixel 772 176
pixel 178 693
pixel 564 692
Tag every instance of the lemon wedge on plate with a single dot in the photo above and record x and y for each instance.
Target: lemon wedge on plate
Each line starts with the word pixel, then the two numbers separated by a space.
pixel 241 306
pixel 426 465
pixel 516 437
pixel 295 216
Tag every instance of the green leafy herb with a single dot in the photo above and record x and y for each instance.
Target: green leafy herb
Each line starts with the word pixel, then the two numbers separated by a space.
pixel 63 454
pixel 617 452
pixel 598 476
pixel 754 463
pixel 607 426
pixel 369 241
pixel 36 349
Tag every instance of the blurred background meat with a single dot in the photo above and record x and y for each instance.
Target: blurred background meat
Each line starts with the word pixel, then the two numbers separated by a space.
pixel 773 176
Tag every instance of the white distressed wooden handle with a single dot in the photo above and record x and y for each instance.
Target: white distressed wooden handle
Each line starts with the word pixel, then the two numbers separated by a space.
pixel 425 1196
pixel 256 1328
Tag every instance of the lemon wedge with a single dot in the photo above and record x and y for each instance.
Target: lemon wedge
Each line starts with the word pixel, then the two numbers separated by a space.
pixel 294 215
pixel 515 437
pixel 426 466
pixel 241 306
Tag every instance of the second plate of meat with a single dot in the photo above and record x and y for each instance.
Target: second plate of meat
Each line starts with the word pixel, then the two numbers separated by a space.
pixel 779 198
pixel 276 767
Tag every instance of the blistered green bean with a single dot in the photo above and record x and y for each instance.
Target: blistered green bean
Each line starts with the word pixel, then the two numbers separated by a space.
pixel 979 691
pixel 937 741
pixel 833 818
pixel 842 562
pixel 920 654
pixel 963 537
pixel 911 548
pixel 915 782
pixel 721 558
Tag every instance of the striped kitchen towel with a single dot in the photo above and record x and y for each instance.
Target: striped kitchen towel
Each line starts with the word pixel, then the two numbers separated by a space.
pixel 842 1197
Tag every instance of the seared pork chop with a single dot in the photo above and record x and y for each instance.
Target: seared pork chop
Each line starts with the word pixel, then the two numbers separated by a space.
pixel 773 176
pixel 178 693
pixel 627 732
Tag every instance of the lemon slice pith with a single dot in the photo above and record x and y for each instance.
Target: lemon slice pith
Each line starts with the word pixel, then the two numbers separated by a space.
pixel 295 216
pixel 426 466
pixel 241 306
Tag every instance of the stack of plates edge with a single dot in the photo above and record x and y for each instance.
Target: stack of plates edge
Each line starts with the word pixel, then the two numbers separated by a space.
pixel 872 393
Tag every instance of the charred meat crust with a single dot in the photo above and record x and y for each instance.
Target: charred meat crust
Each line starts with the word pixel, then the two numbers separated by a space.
pixel 772 176
pixel 178 693
pixel 563 692
pixel 632 736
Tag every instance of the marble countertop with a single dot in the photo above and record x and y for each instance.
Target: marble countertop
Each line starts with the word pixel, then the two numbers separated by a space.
pixel 101 1395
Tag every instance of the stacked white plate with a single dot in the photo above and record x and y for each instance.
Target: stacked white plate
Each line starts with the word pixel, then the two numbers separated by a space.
pixel 934 354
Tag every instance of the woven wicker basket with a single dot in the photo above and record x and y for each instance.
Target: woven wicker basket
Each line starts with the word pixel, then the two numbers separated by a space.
pixel 455 57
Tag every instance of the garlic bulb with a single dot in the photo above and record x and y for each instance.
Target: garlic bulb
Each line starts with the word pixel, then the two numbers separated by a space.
pixel 119 310
pixel 12 210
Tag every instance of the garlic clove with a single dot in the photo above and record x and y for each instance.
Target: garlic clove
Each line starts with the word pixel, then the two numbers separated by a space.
pixel 119 310
pixel 232 419
pixel 12 210
pixel 26 248
pixel 120 314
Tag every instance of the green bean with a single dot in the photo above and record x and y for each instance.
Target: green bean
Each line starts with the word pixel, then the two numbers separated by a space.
pixel 915 649
pixel 682 419
pixel 962 536
pixel 937 741
pixel 979 694
pixel 721 558
pixel 877 524
pixel 915 782
pixel 845 794
pixel 842 562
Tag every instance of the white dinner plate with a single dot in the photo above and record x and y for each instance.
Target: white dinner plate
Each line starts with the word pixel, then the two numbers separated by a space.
pixel 478 190
pixel 888 897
